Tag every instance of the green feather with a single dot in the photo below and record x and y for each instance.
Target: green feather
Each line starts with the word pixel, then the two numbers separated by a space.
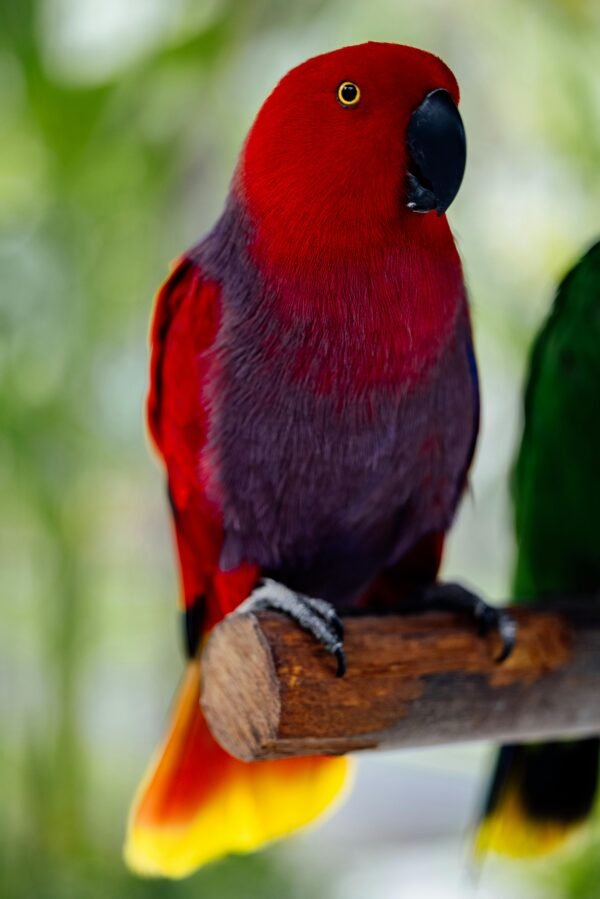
pixel 556 479
pixel 540 794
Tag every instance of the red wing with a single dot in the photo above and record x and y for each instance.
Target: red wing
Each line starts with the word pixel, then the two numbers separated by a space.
pixel 184 327
pixel 186 320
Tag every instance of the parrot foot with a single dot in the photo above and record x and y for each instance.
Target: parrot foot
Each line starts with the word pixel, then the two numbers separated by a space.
pixel 456 598
pixel 317 616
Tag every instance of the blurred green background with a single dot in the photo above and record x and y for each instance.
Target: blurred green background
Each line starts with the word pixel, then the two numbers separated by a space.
pixel 119 128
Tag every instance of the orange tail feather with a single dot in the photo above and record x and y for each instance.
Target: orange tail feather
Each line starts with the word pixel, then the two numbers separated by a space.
pixel 197 803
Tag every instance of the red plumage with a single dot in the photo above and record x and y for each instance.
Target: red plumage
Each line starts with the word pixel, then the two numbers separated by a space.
pixel 313 391
pixel 185 324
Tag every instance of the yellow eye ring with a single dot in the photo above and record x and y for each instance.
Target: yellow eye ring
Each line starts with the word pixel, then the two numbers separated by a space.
pixel 348 93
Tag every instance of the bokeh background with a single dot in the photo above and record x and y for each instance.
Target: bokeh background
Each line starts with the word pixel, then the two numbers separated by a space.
pixel 119 128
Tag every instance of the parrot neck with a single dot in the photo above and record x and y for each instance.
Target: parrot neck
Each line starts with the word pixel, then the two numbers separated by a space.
pixel 375 313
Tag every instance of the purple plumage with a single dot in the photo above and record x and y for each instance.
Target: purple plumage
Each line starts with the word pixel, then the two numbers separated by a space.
pixel 323 489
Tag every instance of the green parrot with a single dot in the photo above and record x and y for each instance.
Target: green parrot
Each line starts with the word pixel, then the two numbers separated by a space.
pixel 541 793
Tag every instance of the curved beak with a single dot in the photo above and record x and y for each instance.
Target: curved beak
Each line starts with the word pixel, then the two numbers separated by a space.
pixel 438 152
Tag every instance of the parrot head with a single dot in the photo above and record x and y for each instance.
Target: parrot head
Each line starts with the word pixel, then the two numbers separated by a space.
pixel 356 143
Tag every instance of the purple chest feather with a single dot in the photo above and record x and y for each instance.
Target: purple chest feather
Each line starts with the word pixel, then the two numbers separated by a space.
pixel 321 491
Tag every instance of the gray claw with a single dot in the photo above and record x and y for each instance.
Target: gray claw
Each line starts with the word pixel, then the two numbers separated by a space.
pixel 316 616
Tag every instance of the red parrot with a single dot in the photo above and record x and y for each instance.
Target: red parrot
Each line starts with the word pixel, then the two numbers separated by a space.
pixel 314 399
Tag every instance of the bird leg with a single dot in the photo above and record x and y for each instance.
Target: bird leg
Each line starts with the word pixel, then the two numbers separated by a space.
pixel 317 616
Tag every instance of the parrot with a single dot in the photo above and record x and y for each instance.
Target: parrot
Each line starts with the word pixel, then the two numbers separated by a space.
pixel 314 399
pixel 541 793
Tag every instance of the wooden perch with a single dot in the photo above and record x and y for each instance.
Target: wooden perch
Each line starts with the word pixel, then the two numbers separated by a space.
pixel 270 691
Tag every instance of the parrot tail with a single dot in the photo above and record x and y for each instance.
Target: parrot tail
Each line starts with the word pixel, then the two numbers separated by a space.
pixel 539 796
pixel 197 803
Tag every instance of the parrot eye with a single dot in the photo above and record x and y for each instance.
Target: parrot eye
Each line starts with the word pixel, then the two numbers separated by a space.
pixel 348 93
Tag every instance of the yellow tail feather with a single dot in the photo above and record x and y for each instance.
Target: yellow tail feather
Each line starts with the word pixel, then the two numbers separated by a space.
pixel 508 830
pixel 197 803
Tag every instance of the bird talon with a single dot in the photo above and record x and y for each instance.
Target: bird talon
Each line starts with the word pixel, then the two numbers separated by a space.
pixel 507 631
pixel 339 628
pixel 487 618
pixel 484 617
pixel 338 652
pixel 317 616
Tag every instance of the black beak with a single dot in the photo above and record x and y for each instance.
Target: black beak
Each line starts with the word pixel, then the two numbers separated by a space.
pixel 438 153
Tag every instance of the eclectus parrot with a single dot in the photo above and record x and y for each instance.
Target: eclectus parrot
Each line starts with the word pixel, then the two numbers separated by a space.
pixel 314 398
pixel 540 793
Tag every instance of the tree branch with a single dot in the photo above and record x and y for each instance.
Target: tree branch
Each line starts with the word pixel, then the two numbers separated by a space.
pixel 270 691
